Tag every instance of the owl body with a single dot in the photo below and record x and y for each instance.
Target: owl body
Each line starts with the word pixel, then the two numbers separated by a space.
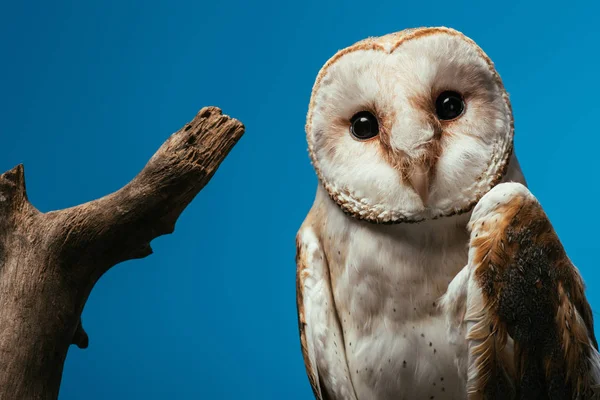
pixel 386 284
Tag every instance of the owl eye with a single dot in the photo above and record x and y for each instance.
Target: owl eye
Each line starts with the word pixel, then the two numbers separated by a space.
pixel 449 105
pixel 364 125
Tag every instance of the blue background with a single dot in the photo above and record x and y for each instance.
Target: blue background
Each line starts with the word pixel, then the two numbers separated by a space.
pixel 89 91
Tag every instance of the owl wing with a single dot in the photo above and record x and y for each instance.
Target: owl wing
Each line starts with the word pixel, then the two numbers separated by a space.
pixel 321 338
pixel 529 327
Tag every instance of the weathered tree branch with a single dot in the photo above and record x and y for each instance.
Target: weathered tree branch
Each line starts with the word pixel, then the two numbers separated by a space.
pixel 50 262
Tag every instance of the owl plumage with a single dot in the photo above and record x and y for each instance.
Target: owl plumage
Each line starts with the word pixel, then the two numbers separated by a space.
pixel 407 133
pixel 520 303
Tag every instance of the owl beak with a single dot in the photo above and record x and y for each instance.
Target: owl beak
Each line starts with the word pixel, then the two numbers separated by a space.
pixel 419 180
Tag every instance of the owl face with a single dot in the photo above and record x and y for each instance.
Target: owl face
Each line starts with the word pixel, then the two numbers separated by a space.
pixel 410 126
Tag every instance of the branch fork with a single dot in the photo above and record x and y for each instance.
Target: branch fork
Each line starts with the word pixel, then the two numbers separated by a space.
pixel 50 262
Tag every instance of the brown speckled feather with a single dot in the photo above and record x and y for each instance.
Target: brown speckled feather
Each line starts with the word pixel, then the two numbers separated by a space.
pixel 533 293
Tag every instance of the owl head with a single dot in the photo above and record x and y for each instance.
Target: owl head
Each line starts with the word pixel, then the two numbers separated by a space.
pixel 409 126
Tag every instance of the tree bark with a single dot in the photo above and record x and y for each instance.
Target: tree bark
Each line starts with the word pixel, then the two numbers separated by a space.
pixel 49 262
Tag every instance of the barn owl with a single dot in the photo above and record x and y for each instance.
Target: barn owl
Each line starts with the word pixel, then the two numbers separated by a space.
pixel 425 267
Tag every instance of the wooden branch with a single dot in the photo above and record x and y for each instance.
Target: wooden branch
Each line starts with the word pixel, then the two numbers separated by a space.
pixel 50 262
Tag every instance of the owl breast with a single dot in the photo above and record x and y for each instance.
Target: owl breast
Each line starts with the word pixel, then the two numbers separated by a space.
pixel 386 282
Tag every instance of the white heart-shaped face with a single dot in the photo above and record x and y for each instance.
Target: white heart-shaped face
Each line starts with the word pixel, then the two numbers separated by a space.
pixel 419 165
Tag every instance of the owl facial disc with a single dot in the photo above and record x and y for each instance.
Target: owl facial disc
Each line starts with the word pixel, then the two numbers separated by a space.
pixel 409 126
